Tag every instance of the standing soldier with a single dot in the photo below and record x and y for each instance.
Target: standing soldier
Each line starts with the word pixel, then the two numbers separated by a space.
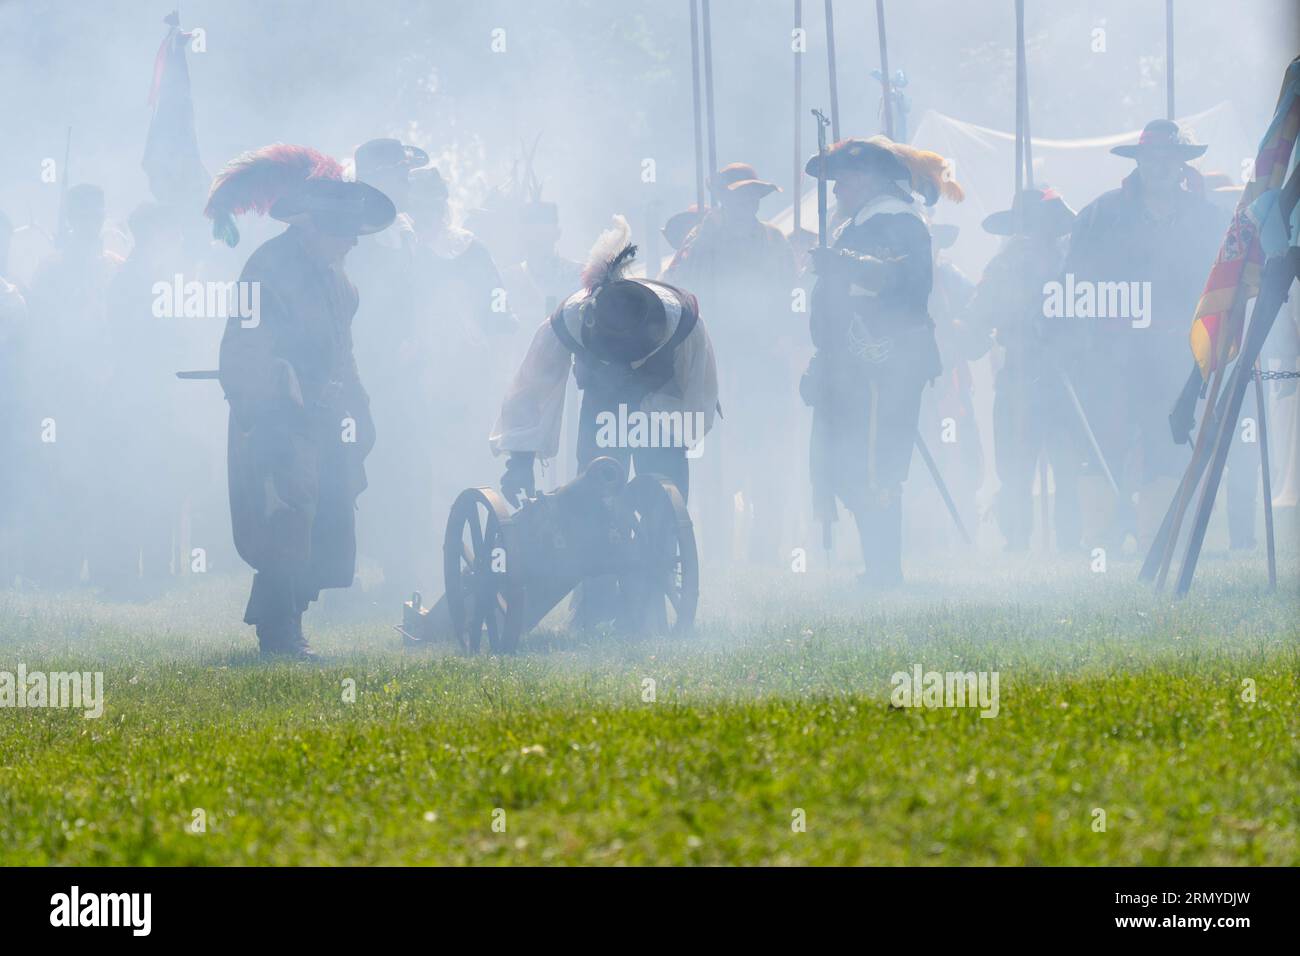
pixel 743 272
pixel 874 339
pixel 1159 232
pixel 677 228
pixel 300 423
pixel 1031 410
pixel 636 346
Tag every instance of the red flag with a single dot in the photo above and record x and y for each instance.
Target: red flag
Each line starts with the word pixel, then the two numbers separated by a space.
pixel 1234 278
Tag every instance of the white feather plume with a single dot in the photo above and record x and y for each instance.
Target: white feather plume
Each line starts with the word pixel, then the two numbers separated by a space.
pixel 610 256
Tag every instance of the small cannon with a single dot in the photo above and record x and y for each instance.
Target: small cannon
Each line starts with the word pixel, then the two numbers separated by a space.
pixel 628 548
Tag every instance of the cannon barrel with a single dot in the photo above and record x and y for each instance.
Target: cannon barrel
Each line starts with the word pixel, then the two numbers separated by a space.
pixel 603 477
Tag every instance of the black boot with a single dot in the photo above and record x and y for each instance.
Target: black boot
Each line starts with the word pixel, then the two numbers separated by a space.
pixel 284 638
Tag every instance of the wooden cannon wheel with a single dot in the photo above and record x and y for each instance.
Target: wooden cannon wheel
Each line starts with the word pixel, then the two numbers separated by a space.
pixel 483 591
pixel 662 583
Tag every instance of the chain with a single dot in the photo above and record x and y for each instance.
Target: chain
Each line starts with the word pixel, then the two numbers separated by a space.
pixel 1268 376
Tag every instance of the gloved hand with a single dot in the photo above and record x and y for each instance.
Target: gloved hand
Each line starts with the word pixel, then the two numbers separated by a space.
pixel 1183 417
pixel 1181 422
pixel 518 478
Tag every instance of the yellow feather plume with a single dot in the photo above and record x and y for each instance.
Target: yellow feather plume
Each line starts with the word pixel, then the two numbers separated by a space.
pixel 932 175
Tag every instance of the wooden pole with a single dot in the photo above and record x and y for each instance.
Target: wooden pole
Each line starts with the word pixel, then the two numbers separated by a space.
pixel 1169 59
pixel 1020 102
pixel 708 101
pixel 1207 436
pixel 830 67
pixel 1279 273
pixel 1025 180
pixel 797 192
pixel 695 96
pixel 1266 478
pixel 888 99
pixel 1024 96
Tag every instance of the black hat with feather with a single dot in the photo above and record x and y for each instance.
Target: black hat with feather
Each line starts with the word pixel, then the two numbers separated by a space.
pixel 622 319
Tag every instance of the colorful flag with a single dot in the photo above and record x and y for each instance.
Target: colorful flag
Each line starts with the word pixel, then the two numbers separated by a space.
pixel 1234 278
pixel 171 152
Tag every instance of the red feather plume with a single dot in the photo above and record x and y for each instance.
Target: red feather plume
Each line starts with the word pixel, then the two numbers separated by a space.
pixel 253 181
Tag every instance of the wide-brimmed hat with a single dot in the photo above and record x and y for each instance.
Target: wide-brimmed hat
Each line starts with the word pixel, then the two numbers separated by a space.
pixel 379 155
pixel 428 183
pixel 860 154
pixel 679 225
pixel 1042 211
pixel 1161 136
pixel 336 207
pixel 736 176
pixel 623 320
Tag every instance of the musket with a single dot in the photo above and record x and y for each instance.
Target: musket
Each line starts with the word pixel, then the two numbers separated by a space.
pixel 1087 432
pixel 695 96
pixel 709 121
pixel 830 67
pixel 201 375
pixel 1169 59
pixel 933 468
pixel 798 109
pixel 884 70
pixel 822 123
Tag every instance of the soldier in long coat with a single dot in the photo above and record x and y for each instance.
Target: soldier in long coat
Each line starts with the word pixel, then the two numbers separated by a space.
pixel 1031 408
pixel 742 270
pixel 1157 228
pixel 300 423
pixel 874 338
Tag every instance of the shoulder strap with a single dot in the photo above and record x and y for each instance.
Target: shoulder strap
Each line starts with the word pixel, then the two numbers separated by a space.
pixel 685 325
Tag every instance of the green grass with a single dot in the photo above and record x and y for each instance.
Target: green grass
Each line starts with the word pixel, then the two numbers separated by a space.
pixel 1111 697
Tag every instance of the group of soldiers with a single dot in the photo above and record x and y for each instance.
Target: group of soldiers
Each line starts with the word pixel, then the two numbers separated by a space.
pixel 384 328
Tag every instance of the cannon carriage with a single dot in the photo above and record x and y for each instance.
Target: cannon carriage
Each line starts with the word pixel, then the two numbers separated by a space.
pixel 627 548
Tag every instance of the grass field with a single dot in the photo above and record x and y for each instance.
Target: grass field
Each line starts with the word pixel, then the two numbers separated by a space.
pixel 1111 698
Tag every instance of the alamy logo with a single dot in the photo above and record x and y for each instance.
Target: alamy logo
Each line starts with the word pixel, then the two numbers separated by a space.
pixel 179 299
pixel 638 429
pixel 1098 300
pixel 103 909
pixel 935 689
pixel 71 689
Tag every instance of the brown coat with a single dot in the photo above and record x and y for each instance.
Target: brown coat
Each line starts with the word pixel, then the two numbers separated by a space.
pixel 300 423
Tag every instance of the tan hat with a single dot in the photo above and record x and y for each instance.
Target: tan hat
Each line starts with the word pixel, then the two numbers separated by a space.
pixel 736 176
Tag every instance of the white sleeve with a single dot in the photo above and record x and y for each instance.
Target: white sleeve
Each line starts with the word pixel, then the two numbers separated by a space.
pixel 534 403
pixel 12 309
pixel 693 389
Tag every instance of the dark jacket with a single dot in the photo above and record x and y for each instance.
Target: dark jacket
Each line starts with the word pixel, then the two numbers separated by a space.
pixel 875 352
pixel 1115 239
pixel 300 422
